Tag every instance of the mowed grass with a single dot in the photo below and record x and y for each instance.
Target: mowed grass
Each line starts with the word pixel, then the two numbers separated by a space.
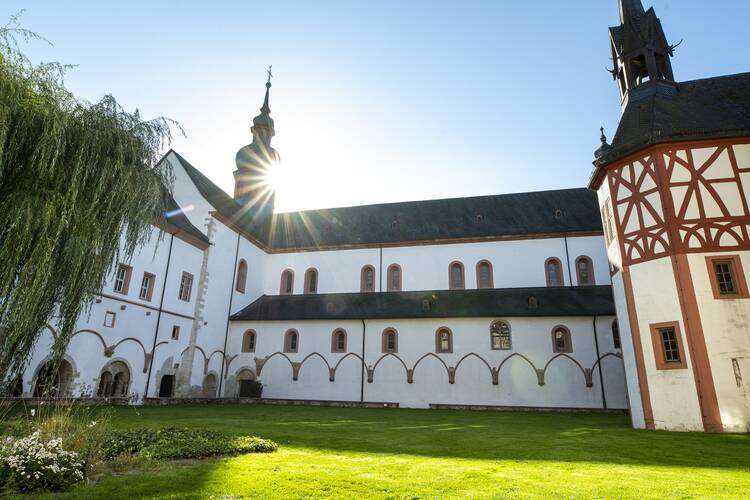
pixel 356 452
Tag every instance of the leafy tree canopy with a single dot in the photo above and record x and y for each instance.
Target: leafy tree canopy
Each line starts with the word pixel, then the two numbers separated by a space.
pixel 78 191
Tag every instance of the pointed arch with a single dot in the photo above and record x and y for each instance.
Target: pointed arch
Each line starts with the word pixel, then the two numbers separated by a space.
pixel 613 354
pixel 586 373
pixel 480 358
pixel 431 354
pixel 312 354
pixel 371 370
pixel 261 362
pixel 516 354
pixel 354 354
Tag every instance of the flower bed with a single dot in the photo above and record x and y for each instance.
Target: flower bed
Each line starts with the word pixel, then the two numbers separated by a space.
pixel 31 463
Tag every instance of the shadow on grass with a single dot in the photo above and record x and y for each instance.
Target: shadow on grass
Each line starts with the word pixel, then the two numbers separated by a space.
pixel 523 436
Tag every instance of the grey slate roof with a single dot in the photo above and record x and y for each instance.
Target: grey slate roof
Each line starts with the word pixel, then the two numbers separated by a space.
pixel 543 212
pixel 429 220
pixel 659 112
pixel 498 302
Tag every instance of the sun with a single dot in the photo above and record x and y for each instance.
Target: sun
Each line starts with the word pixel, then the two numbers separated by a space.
pixel 274 179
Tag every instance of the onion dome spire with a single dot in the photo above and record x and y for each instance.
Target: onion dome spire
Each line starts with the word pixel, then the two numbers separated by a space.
pixel 604 147
pixel 254 162
pixel 263 126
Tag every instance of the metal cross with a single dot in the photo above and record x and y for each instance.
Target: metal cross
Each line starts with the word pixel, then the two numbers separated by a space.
pixel 269 73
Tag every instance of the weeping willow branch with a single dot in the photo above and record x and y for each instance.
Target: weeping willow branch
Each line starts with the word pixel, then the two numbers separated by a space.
pixel 79 191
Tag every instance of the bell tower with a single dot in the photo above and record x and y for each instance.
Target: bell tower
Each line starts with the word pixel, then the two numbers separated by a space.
pixel 674 196
pixel 640 51
pixel 254 161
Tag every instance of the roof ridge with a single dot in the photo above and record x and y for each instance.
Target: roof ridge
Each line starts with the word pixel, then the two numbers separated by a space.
pixel 437 200
pixel 714 78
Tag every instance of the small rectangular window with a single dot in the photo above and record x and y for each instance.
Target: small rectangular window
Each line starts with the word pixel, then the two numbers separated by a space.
pixel 667 343
pixel 109 319
pixel 122 279
pixel 147 286
pixel 186 285
pixel 727 277
pixel 175 332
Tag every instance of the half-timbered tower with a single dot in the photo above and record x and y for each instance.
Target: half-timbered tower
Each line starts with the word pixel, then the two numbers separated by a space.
pixel 674 194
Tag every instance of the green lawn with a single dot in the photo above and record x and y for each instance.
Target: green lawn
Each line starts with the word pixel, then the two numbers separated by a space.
pixel 353 452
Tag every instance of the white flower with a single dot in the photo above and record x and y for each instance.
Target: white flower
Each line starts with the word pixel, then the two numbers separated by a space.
pixel 33 412
pixel 93 423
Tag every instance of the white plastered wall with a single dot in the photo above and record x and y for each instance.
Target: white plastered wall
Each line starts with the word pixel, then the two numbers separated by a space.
pixel 726 329
pixel 565 384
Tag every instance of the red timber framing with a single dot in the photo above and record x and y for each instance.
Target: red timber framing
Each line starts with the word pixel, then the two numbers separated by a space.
pixel 671 200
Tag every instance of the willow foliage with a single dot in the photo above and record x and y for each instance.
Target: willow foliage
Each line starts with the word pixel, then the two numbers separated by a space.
pixel 78 192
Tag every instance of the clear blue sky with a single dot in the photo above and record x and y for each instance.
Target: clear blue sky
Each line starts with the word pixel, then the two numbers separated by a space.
pixel 378 101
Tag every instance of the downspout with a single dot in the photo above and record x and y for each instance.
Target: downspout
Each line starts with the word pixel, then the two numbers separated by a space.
pixel 158 315
pixel 362 374
pixel 380 271
pixel 567 259
pixel 599 365
pixel 229 313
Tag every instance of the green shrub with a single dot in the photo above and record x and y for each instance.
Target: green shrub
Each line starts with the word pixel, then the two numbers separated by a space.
pixel 172 443
pixel 253 387
pixel 252 444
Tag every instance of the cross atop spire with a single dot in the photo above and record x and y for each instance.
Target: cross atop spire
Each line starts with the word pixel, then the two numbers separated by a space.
pixel 265 110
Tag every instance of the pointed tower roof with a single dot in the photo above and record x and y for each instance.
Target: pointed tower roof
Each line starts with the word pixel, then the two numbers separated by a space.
pixel 264 118
pixel 640 51
pixel 630 9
